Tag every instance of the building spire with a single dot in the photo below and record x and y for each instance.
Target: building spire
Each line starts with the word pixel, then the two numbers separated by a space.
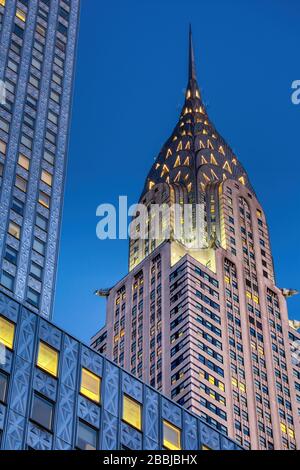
pixel 192 67
pixel 195 155
pixel 192 86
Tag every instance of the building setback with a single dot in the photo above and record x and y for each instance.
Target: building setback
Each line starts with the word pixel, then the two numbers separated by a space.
pixel 57 393
pixel 201 319
pixel 38 46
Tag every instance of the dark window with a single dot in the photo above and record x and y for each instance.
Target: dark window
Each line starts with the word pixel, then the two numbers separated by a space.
pixel 7 280
pixel 51 137
pixel 64 13
pixel 29 121
pixel 3 387
pixel 11 254
pixel 62 29
pixel 18 31
pixel 39 246
pixel 86 437
pixel 17 206
pixel 41 222
pixel 60 45
pixel 36 270
pixel 49 157
pixel 31 102
pixel 12 65
pixel 42 412
pixel 33 297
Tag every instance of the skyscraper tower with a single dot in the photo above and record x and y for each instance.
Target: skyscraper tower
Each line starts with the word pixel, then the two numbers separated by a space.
pixel 38 46
pixel 202 319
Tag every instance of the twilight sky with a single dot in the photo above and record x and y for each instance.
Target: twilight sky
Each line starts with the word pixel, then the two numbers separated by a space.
pixel 130 77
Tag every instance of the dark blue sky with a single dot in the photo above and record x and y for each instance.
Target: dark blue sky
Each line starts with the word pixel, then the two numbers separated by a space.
pixel 131 73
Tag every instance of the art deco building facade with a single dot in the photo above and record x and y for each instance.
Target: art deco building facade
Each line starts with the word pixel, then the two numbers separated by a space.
pixel 202 319
pixel 38 46
pixel 58 394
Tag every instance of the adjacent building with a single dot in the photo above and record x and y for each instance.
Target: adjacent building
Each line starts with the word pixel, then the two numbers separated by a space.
pixel 200 317
pixel 37 59
pixel 58 394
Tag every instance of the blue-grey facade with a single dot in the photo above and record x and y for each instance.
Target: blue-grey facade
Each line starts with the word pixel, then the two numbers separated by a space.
pixel 37 57
pixel 25 379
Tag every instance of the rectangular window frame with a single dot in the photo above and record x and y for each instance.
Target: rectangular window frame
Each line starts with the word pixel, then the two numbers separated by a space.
pixel 49 402
pixel 139 427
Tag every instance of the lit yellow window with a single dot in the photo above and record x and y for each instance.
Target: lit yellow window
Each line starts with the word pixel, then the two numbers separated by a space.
pixel 171 436
pixel 164 170
pixel 248 294
pixel 221 386
pixel 90 385
pixel 291 433
pixel 2 2
pixel 21 14
pixel 169 152
pixel 260 350
pixel 7 333
pixel 234 382
pixel 23 161
pixel 46 177
pixel 132 412
pixel 205 448
pixel 14 230
pixel 255 299
pixel 47 359
pixel 211 379
pixel 283 427
pixel 242 387
pixel 227 279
